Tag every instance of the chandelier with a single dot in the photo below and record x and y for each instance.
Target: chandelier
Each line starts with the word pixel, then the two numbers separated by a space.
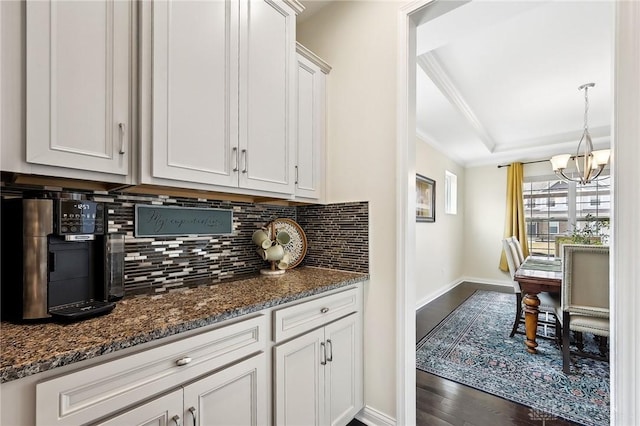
pixel 589 163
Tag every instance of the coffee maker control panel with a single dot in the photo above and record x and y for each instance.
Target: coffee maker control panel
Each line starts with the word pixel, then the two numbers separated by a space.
pixel 79 217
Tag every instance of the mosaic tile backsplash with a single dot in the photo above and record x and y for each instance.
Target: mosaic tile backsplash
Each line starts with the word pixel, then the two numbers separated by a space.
pixel 162 263
pixel 337 238
pixel 337 235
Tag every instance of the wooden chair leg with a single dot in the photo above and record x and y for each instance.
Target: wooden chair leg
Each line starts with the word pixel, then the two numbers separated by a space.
pixel 603 346
pixel 566 360
pixel 579 341
pixel 558 332
pixel 516 322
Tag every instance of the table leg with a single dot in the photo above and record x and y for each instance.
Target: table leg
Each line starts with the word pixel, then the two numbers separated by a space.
pixel 531 303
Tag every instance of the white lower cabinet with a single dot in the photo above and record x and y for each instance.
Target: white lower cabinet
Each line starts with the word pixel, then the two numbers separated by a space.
pixel 224 367
pixel 162 411
pixel 235 395
pixel 295 364
pixel 318 376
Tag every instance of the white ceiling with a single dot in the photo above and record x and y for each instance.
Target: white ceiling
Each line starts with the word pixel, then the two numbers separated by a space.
pixel 497 81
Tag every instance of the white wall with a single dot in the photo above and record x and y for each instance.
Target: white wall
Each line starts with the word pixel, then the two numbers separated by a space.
pixel 484 215
pixel 439 245
pixel 485 208
pixel 359 40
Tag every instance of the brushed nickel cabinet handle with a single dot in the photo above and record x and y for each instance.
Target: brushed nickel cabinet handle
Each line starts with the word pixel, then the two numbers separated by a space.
pixel 324 310
pixel 122 128
pixel 176 419
pixel 245 156
pixel 234 154
pixel 183 361
pixel 296 175
pixel 330 345
pixel 192 410
pixel 323 354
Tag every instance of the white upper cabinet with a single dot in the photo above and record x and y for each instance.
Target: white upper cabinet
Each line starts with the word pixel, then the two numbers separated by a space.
pixel 267 88
pixel 311 113
pixel 78 57
pixel 195 99
pixel 223 93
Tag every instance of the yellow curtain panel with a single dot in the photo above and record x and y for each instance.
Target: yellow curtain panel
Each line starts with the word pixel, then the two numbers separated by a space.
pixel 515 223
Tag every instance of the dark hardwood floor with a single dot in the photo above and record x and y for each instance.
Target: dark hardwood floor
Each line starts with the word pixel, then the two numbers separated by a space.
pixel 444 402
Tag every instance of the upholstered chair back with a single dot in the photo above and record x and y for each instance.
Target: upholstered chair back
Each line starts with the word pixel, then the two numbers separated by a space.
pixel 518 247
pixel 509 255
pixel 513 266
pixel 585 280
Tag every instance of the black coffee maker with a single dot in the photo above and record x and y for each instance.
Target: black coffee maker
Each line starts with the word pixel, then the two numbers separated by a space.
pixel 57 260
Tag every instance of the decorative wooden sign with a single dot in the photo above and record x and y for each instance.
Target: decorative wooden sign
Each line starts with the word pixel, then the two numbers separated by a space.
pixel 167 221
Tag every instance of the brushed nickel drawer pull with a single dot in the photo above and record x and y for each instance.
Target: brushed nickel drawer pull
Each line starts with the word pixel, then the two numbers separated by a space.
pixel 183 361
pixel 324 310
pixel 176 420
pixel 324 354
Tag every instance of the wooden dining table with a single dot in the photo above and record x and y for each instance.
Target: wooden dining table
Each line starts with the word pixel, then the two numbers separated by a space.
pixel 535 275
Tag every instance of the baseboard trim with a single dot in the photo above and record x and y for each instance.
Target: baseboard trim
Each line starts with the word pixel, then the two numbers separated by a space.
pixel 372 417
pixel 486 281
pixel 430 298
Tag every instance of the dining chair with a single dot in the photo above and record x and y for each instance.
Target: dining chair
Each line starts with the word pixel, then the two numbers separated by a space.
pixel 585 299
pixel 547 302
pixel 518 247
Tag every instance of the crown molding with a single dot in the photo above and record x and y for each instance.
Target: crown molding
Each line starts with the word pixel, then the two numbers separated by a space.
pixel 295 5
pixel 565 141
pixel 432 68
pixel 306 53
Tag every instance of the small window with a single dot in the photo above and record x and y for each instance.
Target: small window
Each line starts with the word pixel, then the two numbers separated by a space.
pixel 450 193
pixel 554 227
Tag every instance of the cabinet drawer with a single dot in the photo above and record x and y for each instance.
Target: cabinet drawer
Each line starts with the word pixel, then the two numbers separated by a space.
pixel 297 319
pixel 95 392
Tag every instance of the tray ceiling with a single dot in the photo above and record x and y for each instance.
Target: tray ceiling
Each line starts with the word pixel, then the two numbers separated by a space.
pixel 498 81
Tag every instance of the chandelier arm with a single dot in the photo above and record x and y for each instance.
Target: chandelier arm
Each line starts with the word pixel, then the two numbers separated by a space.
pixel 561 175
pixel 600 169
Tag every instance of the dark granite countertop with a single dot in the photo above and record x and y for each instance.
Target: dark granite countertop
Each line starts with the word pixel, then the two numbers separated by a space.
pixel 28 349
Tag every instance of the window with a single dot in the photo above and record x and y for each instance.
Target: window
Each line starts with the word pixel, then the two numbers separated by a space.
pixel 450 193
pixel 555 207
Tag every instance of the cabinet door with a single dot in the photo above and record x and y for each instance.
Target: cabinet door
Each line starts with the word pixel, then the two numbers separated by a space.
pixel 344 369
pixel 267 110
pixel 235 395
pixel 194 91
pixel 310 124
pixel 299 380
pixel 78 84
pixel 163 411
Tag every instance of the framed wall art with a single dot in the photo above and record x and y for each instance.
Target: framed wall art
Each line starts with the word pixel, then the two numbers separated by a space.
pixel 425 199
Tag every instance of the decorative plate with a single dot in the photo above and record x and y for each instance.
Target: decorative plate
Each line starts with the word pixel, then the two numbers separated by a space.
pixel 297 246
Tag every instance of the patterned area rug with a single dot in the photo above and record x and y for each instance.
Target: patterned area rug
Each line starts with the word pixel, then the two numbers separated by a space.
pixel 472 346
